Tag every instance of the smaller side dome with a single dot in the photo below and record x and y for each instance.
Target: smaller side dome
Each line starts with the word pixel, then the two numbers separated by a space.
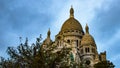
pixel 87 38
pixel 48 40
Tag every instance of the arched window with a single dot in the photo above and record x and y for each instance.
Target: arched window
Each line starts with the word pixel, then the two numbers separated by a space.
pixel 68 31
pixel 72 31
pixel 68 41
pixel 87 50
pixel 77 31
pixel 59 37
pixel 77 43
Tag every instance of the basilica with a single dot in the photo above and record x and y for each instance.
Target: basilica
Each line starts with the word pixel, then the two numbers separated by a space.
pixel 82 43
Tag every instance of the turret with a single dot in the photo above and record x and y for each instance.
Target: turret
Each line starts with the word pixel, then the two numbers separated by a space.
pixel 48 40
pixel 88 49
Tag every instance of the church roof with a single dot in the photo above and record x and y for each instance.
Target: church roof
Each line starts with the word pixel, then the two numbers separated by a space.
pixel 71 23
pixel 87 38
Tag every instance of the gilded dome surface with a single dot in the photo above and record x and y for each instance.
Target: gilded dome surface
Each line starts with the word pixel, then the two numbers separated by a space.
pixel 87 39
pixel 71 24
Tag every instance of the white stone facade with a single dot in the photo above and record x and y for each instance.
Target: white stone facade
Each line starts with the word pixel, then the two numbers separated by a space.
pixel 82 43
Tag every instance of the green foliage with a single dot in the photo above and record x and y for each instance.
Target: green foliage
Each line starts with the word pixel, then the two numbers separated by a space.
pixel 104 64
pixel 23 55
pixel 35 56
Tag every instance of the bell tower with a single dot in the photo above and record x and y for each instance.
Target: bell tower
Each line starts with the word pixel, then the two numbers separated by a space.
pixel 88 50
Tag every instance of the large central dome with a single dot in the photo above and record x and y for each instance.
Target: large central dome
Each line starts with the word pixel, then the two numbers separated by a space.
pixel 71 23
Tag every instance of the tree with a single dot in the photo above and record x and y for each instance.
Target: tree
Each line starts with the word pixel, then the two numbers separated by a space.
pixel 23 56
pixel 104 64
pixel 34 56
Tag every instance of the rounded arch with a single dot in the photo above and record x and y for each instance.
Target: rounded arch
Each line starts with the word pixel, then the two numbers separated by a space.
pixel 87 61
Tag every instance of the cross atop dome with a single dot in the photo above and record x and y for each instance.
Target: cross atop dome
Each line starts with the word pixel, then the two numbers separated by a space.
pixel 71 12
pixel 71 23
pixel 87 28
pixel 48 34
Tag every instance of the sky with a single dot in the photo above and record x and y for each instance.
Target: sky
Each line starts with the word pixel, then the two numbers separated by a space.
pixel 30 18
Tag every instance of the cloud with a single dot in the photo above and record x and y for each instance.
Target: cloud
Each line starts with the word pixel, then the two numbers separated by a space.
pixel 84 14
pixel 106 30
pixel 29 18
pixel 115 59
pixel 22 18
pixel 107 20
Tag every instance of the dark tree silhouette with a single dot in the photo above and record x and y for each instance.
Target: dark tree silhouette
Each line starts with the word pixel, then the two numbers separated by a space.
pixel 23 55
pixel 34 56
pixel 104 64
